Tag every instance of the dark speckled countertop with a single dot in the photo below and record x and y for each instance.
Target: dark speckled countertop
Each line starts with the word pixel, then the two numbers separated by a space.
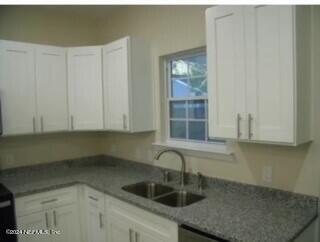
pixel 232 211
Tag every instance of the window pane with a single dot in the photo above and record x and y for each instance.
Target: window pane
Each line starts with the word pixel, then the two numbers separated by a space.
pixel 198 86
pixel 179 68
pixel 179 88
pixel 197 65
pixel 177 109
pixel 197 130
pixel 178 129
pixel 197 109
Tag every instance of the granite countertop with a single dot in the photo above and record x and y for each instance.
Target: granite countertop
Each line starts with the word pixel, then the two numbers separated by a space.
pixel 232 211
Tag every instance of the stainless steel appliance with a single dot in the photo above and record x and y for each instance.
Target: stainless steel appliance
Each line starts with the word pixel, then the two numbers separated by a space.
pixel 7 215
pixel 188 234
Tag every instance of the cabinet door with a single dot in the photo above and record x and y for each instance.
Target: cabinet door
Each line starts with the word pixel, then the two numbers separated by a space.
pixel 66 220
pixel 51 79
pixel 270 72
pixel 17 87
pixel 33 221
pixel 116 85
pixel 95 225
pixel 226 71
pixel 147 235
pixel 119 230
pixel 85 88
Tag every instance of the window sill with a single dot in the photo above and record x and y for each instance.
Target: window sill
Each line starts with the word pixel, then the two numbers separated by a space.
pixel 211 151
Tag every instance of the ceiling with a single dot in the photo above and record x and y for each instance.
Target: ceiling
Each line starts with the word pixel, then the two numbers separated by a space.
pixel 94 11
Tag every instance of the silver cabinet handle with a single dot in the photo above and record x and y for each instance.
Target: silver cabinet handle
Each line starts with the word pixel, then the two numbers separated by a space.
pixel 101 220
pixel 41 122
pixel 47 220
pixel 49 201
pixel 238 125
pixel 93 198
pixel 124 119
pixel 34 124
pixel 136 237
pixel 55 218
pixel 250 119
pixel 72 125
pixel 130 235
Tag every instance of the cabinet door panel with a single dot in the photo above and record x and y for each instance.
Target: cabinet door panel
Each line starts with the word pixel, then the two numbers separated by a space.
pixel 85 88
pixel 147 235
pixel 66 220
pixel 226 70
pixel 270 70
pixel 17 87
pixel 95 225
pixel 51 78
pixel 119 230
pixel 33 221
pixel 116 85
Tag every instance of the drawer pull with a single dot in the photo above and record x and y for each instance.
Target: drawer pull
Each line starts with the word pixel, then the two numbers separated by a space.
pixel 49 201
pixel 47 220
pixel 101 220
pixel 93 198
pixel 55 218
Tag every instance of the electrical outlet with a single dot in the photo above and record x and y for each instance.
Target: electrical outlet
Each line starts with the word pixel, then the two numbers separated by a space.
pixel 267 174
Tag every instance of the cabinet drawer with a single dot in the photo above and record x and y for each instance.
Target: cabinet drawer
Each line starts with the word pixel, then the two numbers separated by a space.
pixel 141 218
pixel 94 198
pixel 45 200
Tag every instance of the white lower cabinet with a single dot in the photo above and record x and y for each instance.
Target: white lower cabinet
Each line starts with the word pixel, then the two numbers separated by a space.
pixel 119 230
pixel 32 221
pixel 66 221
pixel 127 223
pixel 94 216
pixel 82 214
pixel 55 210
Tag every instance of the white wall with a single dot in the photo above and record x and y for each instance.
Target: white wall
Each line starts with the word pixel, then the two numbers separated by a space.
pixel 170 29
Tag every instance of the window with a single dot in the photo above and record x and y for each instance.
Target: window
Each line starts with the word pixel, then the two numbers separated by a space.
pixel 187 98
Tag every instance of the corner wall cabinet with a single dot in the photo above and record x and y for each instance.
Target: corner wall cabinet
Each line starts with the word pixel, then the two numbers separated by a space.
pixel 259 81
pixel 85 88
pixel 128 104
pixel 53 89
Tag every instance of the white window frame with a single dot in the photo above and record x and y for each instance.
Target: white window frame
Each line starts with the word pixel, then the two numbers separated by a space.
pixel 196 148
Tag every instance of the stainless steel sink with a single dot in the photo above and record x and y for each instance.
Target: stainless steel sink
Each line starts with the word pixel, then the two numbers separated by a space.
pixel 179 198
pixel 148 189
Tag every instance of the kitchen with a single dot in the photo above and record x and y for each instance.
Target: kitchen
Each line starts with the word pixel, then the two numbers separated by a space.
pixel 81 135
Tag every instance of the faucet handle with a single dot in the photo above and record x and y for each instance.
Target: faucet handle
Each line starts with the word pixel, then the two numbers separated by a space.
pixel 166 176
pixel 200 182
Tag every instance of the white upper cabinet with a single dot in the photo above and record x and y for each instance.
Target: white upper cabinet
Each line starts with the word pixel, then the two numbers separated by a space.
pixel 226 71
pixel 17 88
pixel 265 49
pixel 85 88
pixel 51 80
pixel 127 83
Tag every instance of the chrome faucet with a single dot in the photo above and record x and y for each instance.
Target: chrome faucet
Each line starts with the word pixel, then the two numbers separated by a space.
pixel 183 163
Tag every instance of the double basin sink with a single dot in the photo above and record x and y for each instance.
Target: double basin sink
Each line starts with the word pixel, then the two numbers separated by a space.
pixel 163 194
